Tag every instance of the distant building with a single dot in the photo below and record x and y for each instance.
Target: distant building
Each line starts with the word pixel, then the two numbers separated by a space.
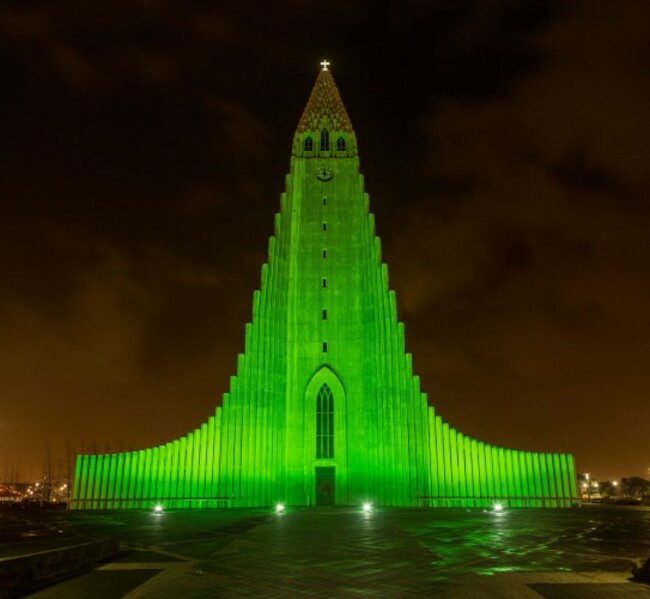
pixel 13 492
pixel 324 408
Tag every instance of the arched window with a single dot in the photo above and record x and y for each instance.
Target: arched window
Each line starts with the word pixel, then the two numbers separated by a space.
pixel 308 146
pixel 325 423
pixel 340 144
pixel 324 140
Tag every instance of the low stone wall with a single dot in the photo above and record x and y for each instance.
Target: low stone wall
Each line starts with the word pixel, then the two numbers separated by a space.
pixel 25 573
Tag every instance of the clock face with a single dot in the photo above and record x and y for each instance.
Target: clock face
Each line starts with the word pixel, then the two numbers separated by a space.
pixel 324 174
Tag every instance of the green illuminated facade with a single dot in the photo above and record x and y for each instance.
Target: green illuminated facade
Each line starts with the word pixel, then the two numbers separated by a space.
pixel 324 408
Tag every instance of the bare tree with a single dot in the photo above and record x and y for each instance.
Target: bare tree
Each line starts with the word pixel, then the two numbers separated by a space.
pixel 69 465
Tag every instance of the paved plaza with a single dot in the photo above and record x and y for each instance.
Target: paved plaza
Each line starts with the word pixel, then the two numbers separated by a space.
pixel 342 552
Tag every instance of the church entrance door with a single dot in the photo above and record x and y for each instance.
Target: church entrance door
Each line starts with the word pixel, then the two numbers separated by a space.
pixel 326 485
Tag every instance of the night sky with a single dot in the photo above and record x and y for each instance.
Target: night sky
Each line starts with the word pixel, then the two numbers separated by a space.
pixel 505 145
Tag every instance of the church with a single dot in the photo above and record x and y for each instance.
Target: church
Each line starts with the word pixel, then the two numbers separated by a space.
pixel 324 408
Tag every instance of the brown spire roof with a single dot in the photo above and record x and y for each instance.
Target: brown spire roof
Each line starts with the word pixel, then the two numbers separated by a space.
pixel 324 101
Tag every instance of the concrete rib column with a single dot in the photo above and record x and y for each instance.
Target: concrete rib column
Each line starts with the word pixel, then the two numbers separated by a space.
pixel 81 481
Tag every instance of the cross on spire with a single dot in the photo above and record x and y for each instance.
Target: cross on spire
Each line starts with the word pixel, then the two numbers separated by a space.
pixel 325 64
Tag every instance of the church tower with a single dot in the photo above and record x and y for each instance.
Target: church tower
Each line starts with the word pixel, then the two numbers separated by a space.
pixel 324 408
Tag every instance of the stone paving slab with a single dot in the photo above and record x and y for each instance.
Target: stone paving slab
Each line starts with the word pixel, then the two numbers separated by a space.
pixel 104 584
pixel 587 590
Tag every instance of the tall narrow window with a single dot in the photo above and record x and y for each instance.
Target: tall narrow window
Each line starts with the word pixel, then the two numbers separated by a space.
pixel 324 253
pixel 324 226
pixel 324 201
pixel 324 314
pixel 324 423
pixel 340 144
pixel 324 347
pixel 324 282
pixel 324 140
pixel 308 146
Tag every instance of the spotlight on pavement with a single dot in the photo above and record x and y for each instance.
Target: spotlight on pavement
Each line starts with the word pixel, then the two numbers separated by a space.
pixel 158 509
pixel 498 507
pixel 279 508
pixel 367 508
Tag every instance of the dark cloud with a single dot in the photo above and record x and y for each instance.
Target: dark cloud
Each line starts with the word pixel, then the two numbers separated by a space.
pixel 505 148
pixel 529 264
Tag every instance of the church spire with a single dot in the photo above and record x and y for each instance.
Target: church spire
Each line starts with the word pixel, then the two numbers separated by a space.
pixel 324 129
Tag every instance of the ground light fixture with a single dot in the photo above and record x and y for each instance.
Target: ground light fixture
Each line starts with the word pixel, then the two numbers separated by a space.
pixel 498 507
pixel 367 507
pixel 279 508
pixel 158 509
